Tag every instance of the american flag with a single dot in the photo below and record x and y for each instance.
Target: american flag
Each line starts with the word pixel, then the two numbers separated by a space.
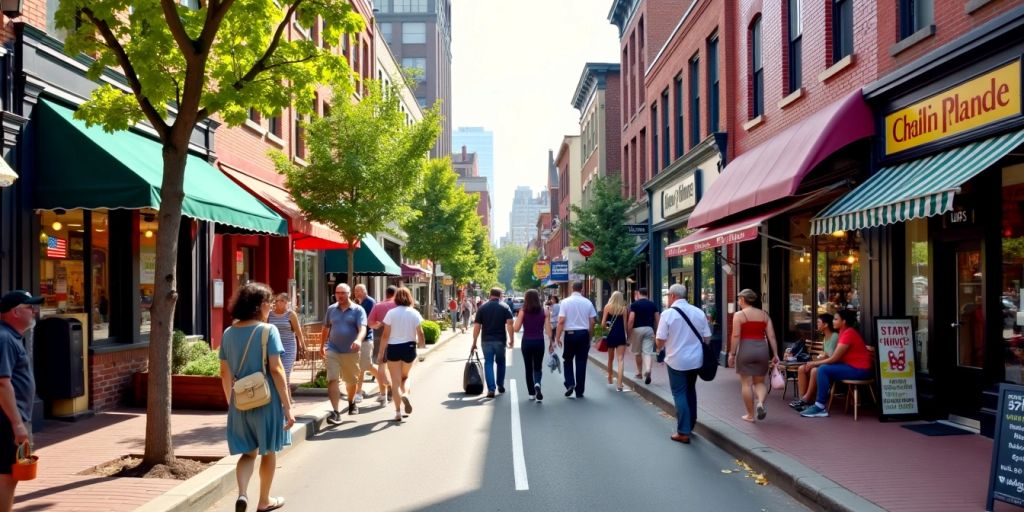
pixel 56 247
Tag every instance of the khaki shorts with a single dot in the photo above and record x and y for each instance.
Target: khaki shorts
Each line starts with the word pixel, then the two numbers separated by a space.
pixel 343 366
pixel 366 356
pixel 641 341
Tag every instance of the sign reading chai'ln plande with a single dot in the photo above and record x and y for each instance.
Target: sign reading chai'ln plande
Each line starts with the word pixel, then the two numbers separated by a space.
pixel 1006 479
pixel 679 197
pixel 896 366
pixel 983 100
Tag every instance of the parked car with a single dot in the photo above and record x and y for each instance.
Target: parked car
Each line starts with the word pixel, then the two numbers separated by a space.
pixel 517 304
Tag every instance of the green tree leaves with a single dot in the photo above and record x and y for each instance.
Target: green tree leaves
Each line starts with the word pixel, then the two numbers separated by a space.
pixel 603 222
pixel 524 279
pixel 508 258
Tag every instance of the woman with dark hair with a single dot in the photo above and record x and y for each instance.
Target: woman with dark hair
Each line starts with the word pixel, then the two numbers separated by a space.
pixel 533 320
pixel 850 361
pixel 807 375
pixel 403 332
pixel 263 430
pixel 752 350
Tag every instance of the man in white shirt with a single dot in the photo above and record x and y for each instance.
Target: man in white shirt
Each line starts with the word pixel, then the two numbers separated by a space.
pixel 683 356
pixel 576 319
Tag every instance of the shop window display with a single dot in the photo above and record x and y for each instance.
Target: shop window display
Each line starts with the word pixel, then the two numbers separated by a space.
pixel 707 287
pixel 147 266
pixel 306 286
pixel 800 318
pixel 918 276
pixel 838 269
pixel 1013 273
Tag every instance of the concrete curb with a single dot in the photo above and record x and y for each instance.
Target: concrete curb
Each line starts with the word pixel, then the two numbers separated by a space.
pixel 785 472
pixel 203 490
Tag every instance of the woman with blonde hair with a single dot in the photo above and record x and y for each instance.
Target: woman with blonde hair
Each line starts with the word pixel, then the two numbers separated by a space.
pixel 403 333
pixel 287 323
pixel 614 315
pixel 752 349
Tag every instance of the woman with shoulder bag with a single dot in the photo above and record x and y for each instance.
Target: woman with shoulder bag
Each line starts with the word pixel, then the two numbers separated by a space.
pixel 265 429
pixel 752 351
pixel 615 312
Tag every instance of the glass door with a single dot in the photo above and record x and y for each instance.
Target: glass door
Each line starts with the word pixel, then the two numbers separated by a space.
pixel 970 307
pixel 965 314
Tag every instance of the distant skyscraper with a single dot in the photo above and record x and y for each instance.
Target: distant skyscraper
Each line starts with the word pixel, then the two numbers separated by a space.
pixel 480 141
pixel 419 33
pixel 522 220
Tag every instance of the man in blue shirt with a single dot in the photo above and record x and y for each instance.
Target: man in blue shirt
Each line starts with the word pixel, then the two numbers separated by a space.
pixel 18 311
pixel 367 353
pixel 643 317
pixel 344 329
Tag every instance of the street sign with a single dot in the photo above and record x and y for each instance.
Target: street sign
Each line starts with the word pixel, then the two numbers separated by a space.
pixel 541 269
pixel 447 281
pixel 559 271
pixel 586 248
pixel 636 229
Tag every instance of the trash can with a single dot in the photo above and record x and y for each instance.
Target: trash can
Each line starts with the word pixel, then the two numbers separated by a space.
pixel 59 363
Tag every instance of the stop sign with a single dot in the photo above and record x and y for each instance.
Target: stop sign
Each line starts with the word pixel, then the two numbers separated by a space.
pixel 586 248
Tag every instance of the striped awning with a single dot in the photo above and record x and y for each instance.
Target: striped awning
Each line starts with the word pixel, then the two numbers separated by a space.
pixel 915 189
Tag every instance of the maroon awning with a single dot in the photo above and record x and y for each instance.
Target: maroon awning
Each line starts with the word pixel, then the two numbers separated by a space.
pixel 774 169
pixel 709 238
pixel 413 270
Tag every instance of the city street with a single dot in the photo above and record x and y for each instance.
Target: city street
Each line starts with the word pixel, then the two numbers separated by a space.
pixel 609 451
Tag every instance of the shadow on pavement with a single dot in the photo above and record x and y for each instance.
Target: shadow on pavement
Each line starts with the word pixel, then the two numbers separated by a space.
pixel 459 400
pixel 361 430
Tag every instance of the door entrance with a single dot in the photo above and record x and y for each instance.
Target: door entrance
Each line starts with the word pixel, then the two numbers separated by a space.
pixel 967 328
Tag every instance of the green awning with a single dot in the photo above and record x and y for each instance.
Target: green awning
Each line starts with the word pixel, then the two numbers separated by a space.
pixel 86 167
pixel 370 260
pixel 915 189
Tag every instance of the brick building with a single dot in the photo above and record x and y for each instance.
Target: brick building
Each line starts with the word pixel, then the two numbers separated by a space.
pixel 465 164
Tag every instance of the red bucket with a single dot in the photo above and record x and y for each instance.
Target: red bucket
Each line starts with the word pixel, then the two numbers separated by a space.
pixel 24 467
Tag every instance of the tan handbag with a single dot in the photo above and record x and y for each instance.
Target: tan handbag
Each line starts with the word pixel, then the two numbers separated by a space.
pixel 253 390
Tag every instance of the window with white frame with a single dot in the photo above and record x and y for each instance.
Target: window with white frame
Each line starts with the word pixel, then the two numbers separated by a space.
pixel 414 33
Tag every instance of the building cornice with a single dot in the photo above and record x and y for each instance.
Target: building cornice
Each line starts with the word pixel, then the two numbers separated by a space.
pixel 621 13
pixel 593 78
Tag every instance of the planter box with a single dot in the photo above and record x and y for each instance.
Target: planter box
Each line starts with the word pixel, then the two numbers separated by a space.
pixel 187 392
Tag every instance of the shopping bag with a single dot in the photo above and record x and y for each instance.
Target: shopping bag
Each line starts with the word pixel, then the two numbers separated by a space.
pixel 602 345
pixel 473 375
pixel 778 381
pixel 554 363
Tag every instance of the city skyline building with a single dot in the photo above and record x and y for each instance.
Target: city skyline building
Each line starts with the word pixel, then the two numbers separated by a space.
pixel 479 140
pixel 522 219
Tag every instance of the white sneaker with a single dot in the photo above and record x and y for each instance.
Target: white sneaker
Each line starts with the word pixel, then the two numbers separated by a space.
pixel 382 399
pixel 359 397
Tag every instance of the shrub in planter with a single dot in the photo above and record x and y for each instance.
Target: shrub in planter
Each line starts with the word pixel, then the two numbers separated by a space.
pixel 319 382
pixel 431 331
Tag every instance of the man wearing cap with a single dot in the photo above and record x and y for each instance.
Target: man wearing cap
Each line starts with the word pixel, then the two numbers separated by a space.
pixel 17 387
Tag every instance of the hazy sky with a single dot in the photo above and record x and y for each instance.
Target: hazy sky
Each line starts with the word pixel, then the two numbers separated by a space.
pixel 515 66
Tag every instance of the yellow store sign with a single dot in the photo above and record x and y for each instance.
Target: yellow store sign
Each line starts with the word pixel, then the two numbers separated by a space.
pixel 991 97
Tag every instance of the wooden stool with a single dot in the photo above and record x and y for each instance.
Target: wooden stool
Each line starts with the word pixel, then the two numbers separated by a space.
pixel 852 387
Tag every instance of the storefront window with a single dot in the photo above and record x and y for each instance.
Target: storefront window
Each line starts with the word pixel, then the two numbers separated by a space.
pixel 839 272
pixel 918 276
pixel 707 287
pixel 800 324
pixel 147 266
pixel 307 286
pixel 1013 273
pixel 100 262
pixel 243 266
pixel 62 264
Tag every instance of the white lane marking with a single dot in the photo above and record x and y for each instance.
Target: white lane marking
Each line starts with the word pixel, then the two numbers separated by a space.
pixel 518 459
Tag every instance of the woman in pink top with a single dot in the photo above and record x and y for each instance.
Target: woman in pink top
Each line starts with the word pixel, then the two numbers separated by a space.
pixel 850 361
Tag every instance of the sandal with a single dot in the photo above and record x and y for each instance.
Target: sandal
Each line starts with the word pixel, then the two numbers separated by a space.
pixel 275 503
pixel 241 504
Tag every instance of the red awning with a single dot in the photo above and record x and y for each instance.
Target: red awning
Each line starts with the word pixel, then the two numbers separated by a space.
pixel 709 238
pixel 306 234
pixel 774 169
pixel 413 270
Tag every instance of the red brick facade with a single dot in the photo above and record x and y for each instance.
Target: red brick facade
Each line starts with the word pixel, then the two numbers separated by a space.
pixel 110 376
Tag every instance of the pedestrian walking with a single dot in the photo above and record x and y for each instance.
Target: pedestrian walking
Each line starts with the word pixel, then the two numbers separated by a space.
pixel 264 430
pixel 614 315
pixel 366 350
pixel 403 333
pixel 376 322
pixel 852 360
pixel 287 323
pixel 681 330
pixel 643 318
pixel 453 312
pixel 533 320
pixel 466 313
pixel 344 329
pixel 553 308
pixel 494 324
pixel 18 311
pixel 752 350
pixel 576 319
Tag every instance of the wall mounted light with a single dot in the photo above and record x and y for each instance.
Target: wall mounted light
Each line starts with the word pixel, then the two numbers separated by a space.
pixel 149 233
pixel 43 237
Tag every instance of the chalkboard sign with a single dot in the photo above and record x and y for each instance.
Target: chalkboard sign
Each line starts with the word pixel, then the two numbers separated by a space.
pixel 897 370
pixel 1006 482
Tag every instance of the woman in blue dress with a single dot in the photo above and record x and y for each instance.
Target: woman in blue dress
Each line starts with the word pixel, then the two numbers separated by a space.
pixel 264 430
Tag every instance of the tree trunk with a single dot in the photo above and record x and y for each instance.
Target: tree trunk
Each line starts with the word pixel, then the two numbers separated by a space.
pixel 430 289
pixel 159 449
pixel 351 253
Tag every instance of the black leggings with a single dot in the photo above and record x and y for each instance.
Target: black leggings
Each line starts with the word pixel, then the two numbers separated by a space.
pixel 533 361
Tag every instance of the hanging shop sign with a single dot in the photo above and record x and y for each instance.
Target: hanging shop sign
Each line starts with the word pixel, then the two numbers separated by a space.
pixel 680 196
pixel 896 366
pixel 559 271
pixel 983 100
pixel 1006 479
pixel 541 269
pixel 637 229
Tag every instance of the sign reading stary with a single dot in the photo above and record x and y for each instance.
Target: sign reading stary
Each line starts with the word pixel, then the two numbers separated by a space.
pixel 983 100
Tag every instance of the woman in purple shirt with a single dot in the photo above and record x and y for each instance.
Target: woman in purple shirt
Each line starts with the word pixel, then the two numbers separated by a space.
pixel 533 320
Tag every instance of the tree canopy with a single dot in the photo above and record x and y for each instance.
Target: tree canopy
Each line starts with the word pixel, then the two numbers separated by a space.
pixel 365 161
pixel 508 258
pixel 475 261
pixel 603 222
pixel 524 279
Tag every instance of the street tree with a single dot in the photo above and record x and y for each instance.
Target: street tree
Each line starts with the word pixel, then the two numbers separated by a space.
pixel 508 258
pixel 524 279
pixel 603 222
pixel 475 261
pixel 436 230
pixel 364 163
pixel 182 65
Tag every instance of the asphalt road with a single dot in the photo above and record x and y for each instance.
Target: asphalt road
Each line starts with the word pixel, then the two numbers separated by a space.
pixel 608 451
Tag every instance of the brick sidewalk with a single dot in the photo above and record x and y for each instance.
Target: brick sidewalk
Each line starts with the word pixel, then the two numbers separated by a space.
pixel 891 466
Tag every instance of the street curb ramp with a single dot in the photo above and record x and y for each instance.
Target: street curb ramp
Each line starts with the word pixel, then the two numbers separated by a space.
pixel 203 490
pixel 785 472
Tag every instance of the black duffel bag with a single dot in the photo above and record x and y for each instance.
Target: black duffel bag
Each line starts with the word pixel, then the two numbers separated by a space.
pixel 473 375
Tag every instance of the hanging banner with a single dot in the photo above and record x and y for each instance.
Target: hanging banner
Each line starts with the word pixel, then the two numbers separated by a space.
pixel 559 271
pixel 896 366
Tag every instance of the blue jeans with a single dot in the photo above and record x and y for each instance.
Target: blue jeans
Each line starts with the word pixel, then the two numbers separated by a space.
pixel 455 319
pixel 574 357
pixel 684 394
pixel 494 352
pixel 830 373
